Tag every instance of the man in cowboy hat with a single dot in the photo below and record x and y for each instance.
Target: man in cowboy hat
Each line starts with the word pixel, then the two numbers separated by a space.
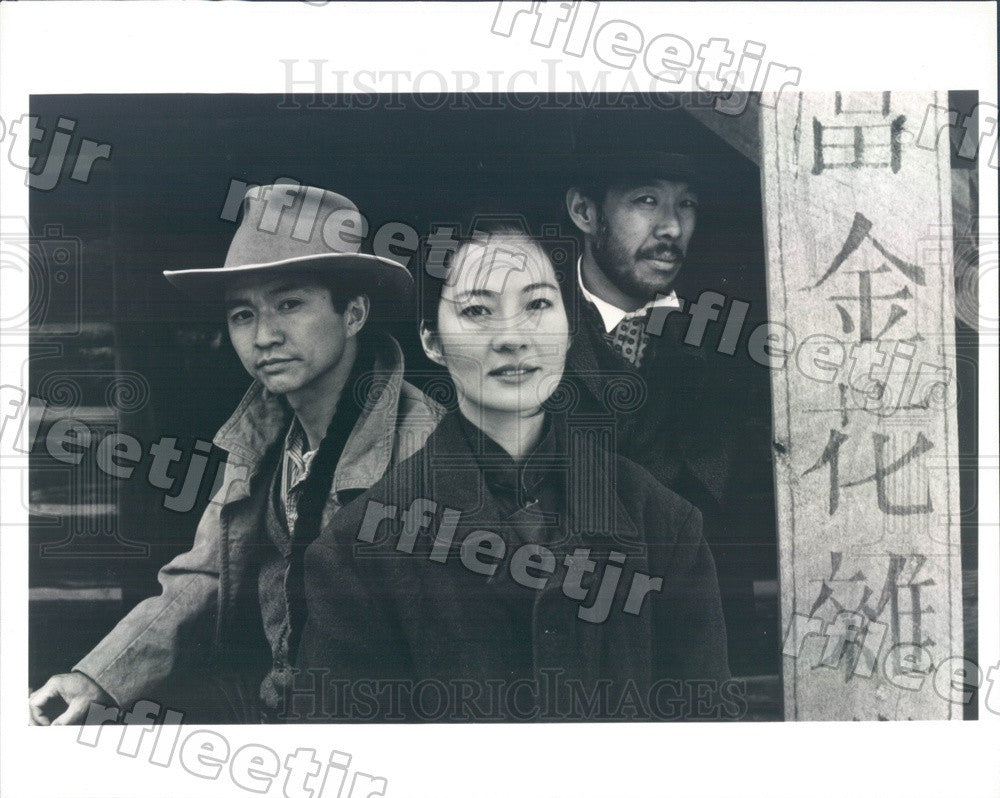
pixel 690 415
pixel 327 413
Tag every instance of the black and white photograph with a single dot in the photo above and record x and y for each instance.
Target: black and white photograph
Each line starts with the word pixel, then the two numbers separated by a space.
pixel 606 372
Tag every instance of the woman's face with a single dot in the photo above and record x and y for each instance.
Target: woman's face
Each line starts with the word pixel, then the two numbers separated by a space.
pixel 502 327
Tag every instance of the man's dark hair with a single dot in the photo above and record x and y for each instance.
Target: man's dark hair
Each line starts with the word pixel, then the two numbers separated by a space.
pixel 342 290
pixel 595 190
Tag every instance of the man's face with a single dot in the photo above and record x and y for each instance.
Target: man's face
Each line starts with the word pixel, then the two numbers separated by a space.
pixel 286 332
pixel 643 235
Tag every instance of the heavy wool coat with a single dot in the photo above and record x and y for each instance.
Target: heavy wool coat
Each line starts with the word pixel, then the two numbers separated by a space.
pixel 376 613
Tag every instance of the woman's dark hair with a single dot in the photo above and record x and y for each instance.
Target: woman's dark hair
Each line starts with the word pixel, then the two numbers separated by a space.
pixel 431 286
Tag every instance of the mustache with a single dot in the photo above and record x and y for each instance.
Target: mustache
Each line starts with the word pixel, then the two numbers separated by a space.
pixel 658 251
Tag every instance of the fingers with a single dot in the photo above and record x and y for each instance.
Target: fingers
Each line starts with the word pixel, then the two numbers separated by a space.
pixel 74 713
pixel 36 717
pixel 38 699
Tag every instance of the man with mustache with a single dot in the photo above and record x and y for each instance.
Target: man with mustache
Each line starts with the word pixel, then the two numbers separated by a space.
pixel 680 410
pixel 327 413
pixel 638 218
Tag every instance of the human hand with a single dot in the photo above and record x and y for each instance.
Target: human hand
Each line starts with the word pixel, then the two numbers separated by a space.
pixel 74 690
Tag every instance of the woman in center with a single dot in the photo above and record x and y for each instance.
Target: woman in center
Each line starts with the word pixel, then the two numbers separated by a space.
pixel 514 568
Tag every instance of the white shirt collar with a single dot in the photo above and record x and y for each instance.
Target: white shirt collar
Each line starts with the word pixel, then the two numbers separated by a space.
pixel 612 316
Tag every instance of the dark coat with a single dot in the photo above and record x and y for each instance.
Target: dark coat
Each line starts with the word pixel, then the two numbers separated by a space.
pixel 375 613
pixel 678 416
pixel 699 421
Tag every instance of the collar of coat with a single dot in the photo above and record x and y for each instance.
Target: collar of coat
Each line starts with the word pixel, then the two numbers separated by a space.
pixel 589 355
pixel 503 471
pixel 262 419
pixel 448 472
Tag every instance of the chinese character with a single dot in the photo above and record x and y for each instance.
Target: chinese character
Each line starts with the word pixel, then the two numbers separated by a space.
pixel 831 457
pixel 863 143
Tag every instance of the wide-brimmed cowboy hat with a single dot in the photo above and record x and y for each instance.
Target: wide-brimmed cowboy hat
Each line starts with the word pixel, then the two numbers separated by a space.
pixel 293 229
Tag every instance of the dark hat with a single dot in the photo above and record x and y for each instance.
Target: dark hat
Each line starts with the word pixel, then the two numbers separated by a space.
pixel 612 167
pixel 621 146
pixel 290 229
